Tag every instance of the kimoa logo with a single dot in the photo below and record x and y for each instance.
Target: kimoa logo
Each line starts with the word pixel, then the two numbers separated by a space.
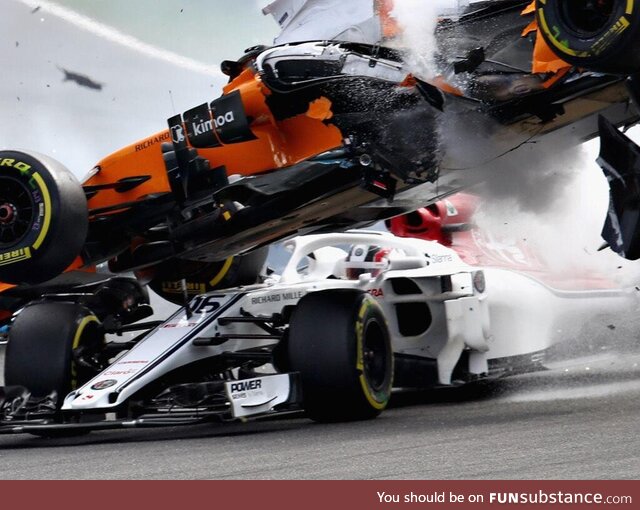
pixel 205 126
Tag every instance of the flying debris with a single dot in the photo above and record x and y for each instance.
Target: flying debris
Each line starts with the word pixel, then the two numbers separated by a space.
pixel 80 79
pixel 36 9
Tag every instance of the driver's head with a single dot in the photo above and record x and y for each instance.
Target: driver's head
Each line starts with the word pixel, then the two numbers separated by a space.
pixel 364 258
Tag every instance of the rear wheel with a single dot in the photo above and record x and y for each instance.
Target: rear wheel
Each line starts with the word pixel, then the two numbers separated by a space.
pixel 339 342
pixel 600 35
pixel 43 218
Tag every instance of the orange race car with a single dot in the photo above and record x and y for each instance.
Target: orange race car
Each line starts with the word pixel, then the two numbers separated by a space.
pixel 320 136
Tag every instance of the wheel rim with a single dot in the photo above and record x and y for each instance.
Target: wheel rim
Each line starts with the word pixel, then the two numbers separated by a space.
pixel 588 17
pixel 16 211
pixel 375 355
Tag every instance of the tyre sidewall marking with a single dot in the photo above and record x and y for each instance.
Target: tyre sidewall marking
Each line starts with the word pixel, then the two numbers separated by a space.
pixel 377 400
pixel 197 287
pixel 76 343
pixel 42 217
pixel 202 287
pixel 223 272
pixel 226 216
pixel 176 287
pixel 47 210
pixel 616 30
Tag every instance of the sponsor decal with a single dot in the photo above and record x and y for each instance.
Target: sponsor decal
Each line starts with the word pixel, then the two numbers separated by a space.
pixel 283 18
pixel 276 298
pixel 133 362
pixel 150 142
pixel 176 128
pixel 115 372
pixel 201 127
pixel 205 304
pixel 181 324
pixel 229 300
pixel 177 134
pixel 376 293
pixel 176 287
pixel 246 389
pixel 614 32
pixel 230 119
pixel 261 300
pixel 254 384
pixel 223 121
pixel 440 259
pixel 15 256
pixel 256 396
pixel 18 165
pixel 103 385
pixel 87 397
pixel 37 198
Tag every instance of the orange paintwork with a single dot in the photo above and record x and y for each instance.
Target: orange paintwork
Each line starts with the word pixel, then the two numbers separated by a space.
pixel 5 314
pixel 390 26
pixel 77 264
pixel 127 162
pixel 320 109
pixel 530 9
pixel 5 286
pixel 544 59
pixel 555 78
pixel 531 27
pixel 440 83
pixel 277 144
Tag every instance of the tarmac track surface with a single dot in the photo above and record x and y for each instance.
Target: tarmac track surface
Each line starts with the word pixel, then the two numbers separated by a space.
pixel 578 420
pixel 565 423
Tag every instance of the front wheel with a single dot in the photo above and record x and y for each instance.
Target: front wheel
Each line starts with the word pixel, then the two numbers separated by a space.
pixel 43 342
pixel 340 343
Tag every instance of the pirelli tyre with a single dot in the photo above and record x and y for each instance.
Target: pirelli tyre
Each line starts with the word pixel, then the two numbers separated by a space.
pixel 202 277
pixel 339 343
pixel 43 217
pixel 600 35
pixel 42 347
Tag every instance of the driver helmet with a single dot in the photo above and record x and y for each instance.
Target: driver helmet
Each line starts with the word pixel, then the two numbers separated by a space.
pixel 364 259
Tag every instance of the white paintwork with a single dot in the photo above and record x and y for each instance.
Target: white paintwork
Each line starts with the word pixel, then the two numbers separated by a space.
pixel 260 395
pixel 516 315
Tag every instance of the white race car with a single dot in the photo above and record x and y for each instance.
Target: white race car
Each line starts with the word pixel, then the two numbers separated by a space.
pixel 351 316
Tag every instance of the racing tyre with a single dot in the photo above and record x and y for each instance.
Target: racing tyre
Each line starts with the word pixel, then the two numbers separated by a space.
pixel 340 344
pixel 203 277
pixel 40 351
pixel 43 218
pixel 600 35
